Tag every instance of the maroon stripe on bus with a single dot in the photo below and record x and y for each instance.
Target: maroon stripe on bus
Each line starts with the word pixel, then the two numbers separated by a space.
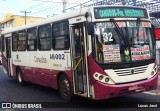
pixel 41 76
pixel 4 63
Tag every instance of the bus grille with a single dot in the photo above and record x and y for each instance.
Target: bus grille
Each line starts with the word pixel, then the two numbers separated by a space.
pixel 131 71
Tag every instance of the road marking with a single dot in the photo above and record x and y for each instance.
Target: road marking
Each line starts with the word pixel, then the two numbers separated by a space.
pixel 158 94
pixel 151 93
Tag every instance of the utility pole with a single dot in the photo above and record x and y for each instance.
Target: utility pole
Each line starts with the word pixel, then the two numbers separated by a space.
pixel 25 13
pixel 64 5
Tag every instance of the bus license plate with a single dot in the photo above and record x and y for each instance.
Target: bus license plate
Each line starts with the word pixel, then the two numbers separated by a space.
pixel 131 88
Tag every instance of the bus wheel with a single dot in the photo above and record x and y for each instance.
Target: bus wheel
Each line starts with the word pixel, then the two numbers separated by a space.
pixel 65 87
pixel 19 77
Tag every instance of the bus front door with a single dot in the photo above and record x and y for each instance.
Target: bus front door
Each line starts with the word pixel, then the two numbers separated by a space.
pixel 79 62
pixel 8 55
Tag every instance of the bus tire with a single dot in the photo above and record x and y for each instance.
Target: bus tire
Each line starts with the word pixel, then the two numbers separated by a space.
pixel 65 87
pixel 20 77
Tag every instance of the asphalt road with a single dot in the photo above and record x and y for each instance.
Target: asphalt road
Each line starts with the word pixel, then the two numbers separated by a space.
pixel 11 91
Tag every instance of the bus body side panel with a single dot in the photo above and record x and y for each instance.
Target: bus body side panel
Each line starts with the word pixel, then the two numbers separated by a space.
pixel 93 68
pixel 14 70
pixel 15 62
pixel 40 67
pixel 48 78
pixel 4 63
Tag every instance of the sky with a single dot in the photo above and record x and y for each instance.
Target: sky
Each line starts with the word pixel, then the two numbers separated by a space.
pixel 38 8
pixel 41 8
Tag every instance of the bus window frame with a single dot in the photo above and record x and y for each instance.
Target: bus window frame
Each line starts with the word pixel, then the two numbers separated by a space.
pixel 13 41
pixel 22 40
pixel 38 37
pixel 2 43
pixel 34 28
pixel 66 36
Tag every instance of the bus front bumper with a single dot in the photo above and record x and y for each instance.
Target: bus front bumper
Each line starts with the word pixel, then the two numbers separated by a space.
pixel 104 91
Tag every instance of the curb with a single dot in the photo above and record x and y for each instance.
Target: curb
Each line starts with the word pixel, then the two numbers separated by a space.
pixel 158 72
pixel 152 93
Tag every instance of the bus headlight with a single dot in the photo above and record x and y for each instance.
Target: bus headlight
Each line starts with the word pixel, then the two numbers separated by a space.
pixel 155 69
pixel 100 77
pixel 106 79
pixel 103 78
pixel 153 72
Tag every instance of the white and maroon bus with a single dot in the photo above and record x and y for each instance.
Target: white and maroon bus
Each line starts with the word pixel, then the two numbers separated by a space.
pixel 95 52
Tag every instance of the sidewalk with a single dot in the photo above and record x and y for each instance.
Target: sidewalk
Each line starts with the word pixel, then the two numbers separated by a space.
pixel 158 71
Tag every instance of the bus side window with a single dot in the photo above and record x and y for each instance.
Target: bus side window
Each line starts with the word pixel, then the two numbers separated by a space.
pixel 45 37
pixel 32 39
pixel 15 41
pixel 22 40
pixel 61 36
pixel 77 34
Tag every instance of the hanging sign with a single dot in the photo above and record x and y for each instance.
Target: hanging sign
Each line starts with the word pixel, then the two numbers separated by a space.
pixel 120 12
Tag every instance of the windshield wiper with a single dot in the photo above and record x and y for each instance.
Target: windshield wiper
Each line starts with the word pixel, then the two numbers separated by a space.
pixel 138 26
pixel 117 29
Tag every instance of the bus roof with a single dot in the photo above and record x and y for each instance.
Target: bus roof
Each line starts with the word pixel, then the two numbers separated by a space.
pixel 48 20
pixel 63 16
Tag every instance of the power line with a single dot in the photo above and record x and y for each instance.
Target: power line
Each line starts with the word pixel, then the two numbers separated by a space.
pixel 48 11
pixel 64 3
pixel 43 10
pixel 43 6
pixel 34 6
pixel 58 2
pixel 46 8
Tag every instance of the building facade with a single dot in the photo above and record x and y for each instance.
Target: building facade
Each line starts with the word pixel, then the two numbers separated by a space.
pixel 16 20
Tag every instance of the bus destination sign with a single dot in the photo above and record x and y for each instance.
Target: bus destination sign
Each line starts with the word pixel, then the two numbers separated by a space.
pixel 120 12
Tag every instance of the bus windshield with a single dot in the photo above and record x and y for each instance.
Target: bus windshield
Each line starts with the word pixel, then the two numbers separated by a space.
pixel 123 42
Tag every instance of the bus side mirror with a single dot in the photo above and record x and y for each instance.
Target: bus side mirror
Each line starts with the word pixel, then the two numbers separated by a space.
pixel 90 28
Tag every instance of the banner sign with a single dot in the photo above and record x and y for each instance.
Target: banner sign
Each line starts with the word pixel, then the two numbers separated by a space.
pixel 120 12
pixel 111 53
pixel 140 53
pixel 12 106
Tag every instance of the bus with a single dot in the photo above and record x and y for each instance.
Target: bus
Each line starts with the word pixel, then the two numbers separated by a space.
pixel 157 33
pixel 97 52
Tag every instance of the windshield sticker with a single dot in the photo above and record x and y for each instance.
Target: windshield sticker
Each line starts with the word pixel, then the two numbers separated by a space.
pixel 121 24
pixel 140 53
pixel 97 31
pixel 111 53
pixel 126 52
pixel 107 37
pixel 110 24
pixel 146 24
pixel 141 34
pixel 134 24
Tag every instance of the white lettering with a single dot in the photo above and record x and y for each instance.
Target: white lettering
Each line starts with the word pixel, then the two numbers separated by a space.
pixel 34 106
pixel 142 105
